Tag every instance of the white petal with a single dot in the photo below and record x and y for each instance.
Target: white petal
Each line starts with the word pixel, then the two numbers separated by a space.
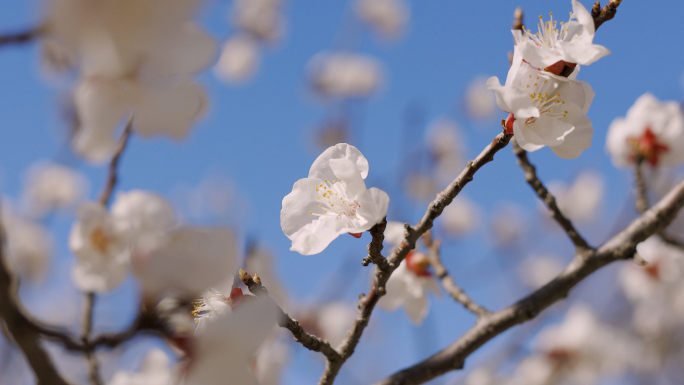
pixel 394 233
pixel 315 236
pixel 321 166
pixel 297 205
pixel 345 169
pixel 239 59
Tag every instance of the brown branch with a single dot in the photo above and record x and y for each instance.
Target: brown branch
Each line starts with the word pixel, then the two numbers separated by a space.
pixel 641 202
pixel 601 15
pixel 367 302
pixel 518 19
pixel 375 247
pixel 112 176
pixel 447 281
pixel 620 246
pixel 547 198
pixel 20 37
pixel 16 325
pixel 93 365
pixel 300 335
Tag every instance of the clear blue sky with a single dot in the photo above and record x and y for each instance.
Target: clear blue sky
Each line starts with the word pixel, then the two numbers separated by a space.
pixel 257 136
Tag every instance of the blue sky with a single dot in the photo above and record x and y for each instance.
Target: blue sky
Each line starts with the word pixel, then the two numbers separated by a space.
pixel 257 138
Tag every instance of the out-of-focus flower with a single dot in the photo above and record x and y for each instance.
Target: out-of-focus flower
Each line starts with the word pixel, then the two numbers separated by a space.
pixel 664 270
pixel 552 49
pixel 333 200
pixel 537 270
pixel 225 348
pixel 420 186
pixel 270 362
pixel 652 131
pixel 259 260
pixel 52 186
pixel 239 59
pixel 147 215
pixel 508 224
pixel 101 245
pixel 581 201
pixel 344 75
pixel 388 17
pixel 28 247
pixel 260 18
pixel 545 109
pixel 446 144
pixel 461 216
pixel 410 282
pixel 155 370
pixel 334 319
pixel 479 101
pixel 188 262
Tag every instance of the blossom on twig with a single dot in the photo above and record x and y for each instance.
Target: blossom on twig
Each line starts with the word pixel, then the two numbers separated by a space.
pixel 333 200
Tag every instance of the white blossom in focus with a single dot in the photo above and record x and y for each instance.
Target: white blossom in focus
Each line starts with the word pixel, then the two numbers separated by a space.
pixel 239 59
pixel 461 216
pixel 388 17
pixel 545 109
pixel 101 245
pixel 332 201
pixel 480 102
pixel 344 75
pixel 225 348
pixel 652 131
pixel 155 370
pixel 188 262
pixel 28 245
pixel 51 186
pixel 572 43
pixel 582 200
pixel 409 284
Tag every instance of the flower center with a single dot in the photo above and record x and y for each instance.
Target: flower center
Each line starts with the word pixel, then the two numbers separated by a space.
pixel 551 106
pixel 100 240
pixel 647 147
pixel 548 33
pixel 335 200
pixel 418 263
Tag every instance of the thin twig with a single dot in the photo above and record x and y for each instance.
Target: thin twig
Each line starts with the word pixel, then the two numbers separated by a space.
pixel 375 247
pixel 20 37
pixel 87 328
pixel 601 15
pixel 547 198
pixel 447 281
pixel 113 165
pixel 367 302
pixel 26 337
pixel 620 246
pixel 641 202
pixel 300 335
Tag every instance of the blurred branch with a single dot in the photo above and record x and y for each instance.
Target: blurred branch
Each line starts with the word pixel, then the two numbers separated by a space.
pixel 518 19
pixel 375 247
pixel 447 281
pixel 601 15
pixel 16 325
pixel 620 246
pixel 367 302
pixel 20 37
pixel 547 198
pixel 93 365
pixel 112 177
pixel 641 202
pixel 307 340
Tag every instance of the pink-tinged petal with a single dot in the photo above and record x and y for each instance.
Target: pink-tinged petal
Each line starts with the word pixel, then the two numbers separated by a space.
pixel 299 206
pixel 578 140
pixel 315 236
pixel 321 166
pixel 168 110
pixel 346 170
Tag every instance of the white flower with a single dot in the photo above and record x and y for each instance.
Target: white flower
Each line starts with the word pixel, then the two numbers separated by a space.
pixel 334 320
pixel 582 200
pixel 508 224
pixel 260 18
pixel 333 200
pixel 225 348
pixel 663 270
pixel 572 43
pixel 410 282
pixel 259 260
pixel 188 262
pixel 239 59
pixel 270 362
pixel 148 216
pixel 546 110
pixel 461 216
pixel 652 131
pixel 344 75
pixel 52 186
pixel 537 270
pixel 446 143
pixel 388 17
pixel 480 102
pixel 28 245
pixel 104 102
pixel 155 370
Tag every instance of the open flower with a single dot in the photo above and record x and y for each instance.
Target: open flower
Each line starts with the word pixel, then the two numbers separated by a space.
pixel 344 75
pixel 652 131
pixel 409 284
pixel 553 49
pixel 545 109
pixel 387 17
pixel 333 200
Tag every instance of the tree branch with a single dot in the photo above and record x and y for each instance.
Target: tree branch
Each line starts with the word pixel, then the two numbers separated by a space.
pixel 547 198
pixel 20 37
pixel 641 202
pixel 93 365
pixel 620 246
pixel 16 325
pixel 114 164
pixel 375 247
pixel 447 281
pixel 601 15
